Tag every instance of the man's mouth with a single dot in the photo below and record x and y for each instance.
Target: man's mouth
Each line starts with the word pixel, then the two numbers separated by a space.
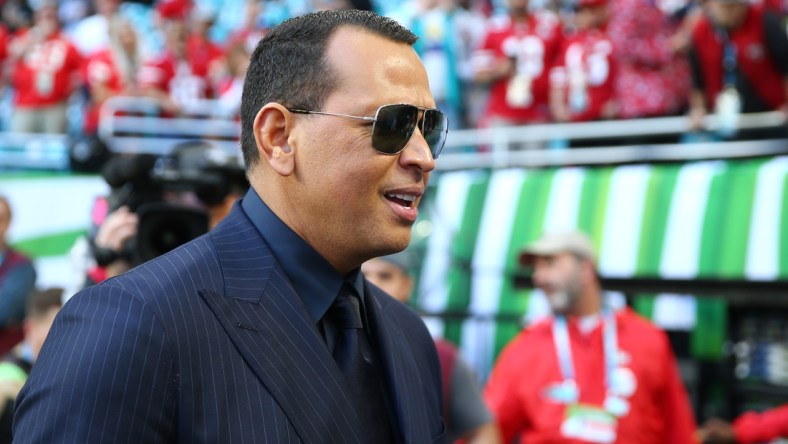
pixel 405 200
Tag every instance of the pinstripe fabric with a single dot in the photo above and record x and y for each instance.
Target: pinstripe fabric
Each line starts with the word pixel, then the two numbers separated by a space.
pixel 210 343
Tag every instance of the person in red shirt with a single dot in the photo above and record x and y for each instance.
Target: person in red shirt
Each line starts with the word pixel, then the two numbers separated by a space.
pixel 515 58
pixel 588 374
pixel 200 49
pixel 653 72
pixel 230 86
pixel 739 58
pixel 91 34
pixel 46 68
pixel 173 78
pixel 4 38
pixel 749 428
pixel 112 71
pixel 581 82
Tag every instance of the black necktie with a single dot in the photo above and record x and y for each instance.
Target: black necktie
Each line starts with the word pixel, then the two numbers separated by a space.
pixel 356 359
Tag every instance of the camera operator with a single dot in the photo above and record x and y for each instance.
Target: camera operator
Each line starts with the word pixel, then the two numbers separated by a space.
pixel 111 237
pixel 157 204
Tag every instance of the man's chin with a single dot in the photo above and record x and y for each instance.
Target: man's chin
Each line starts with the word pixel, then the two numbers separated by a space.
pixel 560 303
pixel 395 245
pixel 397 239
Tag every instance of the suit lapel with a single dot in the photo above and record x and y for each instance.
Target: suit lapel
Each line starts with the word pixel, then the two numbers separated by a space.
pixel 269 325
pixel 402 370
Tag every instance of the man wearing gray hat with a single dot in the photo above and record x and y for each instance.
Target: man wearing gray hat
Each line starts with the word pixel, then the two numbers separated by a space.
pixel 588 373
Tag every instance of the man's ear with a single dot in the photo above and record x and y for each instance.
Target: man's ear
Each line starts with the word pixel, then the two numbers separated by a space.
pixel 272 127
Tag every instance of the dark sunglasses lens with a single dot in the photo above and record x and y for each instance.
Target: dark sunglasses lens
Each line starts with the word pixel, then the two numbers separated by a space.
pixel 393 127
pixel 436 128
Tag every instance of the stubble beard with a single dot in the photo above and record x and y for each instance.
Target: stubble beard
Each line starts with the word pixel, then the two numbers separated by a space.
pixel 563 301
pixel 560 302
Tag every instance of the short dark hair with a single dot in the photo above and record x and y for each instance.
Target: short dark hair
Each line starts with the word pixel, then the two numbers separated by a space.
pixel 40 302
pixel 288 66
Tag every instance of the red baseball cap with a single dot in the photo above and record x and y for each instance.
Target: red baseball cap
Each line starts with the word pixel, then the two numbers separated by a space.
pixel 589 3
pixel 174 9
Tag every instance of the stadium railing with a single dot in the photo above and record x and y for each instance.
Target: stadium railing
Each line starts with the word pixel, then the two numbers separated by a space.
pixel 135 124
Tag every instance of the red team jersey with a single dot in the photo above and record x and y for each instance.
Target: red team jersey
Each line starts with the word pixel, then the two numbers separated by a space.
pixel 586 66
pixel 46 74
pixel 202 54
pixel 4 40
pixel 185 81
pixel 651 80
pixel 101 69
pixel 519 388
pixel 753 58
pixel 533 45
pixel 753 427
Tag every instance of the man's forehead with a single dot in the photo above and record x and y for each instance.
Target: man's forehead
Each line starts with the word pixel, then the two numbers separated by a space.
pixel 376 69
pixel 348 44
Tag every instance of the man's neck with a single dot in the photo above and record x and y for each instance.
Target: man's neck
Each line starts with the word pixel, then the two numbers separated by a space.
pixel 589 304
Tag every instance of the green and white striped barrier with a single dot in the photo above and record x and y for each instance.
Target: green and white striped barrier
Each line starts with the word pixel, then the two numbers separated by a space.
pixel 52 211
pixel 708 219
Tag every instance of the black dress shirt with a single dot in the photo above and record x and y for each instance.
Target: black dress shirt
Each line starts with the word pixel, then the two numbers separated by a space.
pixel 316 282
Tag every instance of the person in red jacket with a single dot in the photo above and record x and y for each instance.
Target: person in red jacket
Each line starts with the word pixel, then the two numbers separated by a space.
pixel 111 71
pixel 46 68
pixel 588 374
pixel 176 78
pixel 515 58
pixel 201 51
pixel 582 80
pixel 749 428
pixel 653 74
pixel 739 61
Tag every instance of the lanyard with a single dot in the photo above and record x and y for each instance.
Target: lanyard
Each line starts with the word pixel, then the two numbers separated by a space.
pixel 728 61
pixel 564 351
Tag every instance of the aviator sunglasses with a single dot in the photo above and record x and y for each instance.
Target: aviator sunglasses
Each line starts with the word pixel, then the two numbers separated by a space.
pixel 393 125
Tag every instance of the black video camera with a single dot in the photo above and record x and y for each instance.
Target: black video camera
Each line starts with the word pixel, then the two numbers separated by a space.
pixel 149 186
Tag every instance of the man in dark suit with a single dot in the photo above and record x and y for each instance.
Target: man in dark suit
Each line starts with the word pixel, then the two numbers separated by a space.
pixel 264 330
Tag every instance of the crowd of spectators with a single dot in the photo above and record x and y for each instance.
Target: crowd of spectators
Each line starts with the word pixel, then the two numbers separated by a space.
pixel 491 63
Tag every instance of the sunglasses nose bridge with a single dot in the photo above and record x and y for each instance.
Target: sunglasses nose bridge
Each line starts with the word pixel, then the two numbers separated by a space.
pixel 413 124
pixel 418 125
pixel 418 144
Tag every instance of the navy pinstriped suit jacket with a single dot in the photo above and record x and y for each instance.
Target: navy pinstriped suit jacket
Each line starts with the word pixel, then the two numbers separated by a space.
pixel 210 343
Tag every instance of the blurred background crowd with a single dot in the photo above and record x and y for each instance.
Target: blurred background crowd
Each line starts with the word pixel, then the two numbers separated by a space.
pixel 491 63
pixel 148 92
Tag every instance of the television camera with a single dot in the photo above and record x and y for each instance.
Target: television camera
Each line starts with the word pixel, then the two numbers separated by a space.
pixel 170 195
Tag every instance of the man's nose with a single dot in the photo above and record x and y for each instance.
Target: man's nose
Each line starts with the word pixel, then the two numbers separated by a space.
pixel 417 152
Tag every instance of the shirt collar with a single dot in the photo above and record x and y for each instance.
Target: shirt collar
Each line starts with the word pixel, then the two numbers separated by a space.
pixel 316 282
